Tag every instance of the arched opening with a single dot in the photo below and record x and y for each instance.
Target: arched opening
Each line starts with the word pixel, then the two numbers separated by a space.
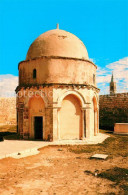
pixel 34 74
pixel 70 118
pixel 95 110
pixel 36 117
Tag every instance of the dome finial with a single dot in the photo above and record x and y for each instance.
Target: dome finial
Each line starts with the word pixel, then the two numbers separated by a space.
pixel 57 26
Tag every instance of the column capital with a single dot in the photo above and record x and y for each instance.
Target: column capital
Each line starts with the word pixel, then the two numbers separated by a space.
pixel 86 108
pixel 56 107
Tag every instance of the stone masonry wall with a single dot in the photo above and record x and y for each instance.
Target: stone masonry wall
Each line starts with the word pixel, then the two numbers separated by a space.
pixel 7 111
pixel 113 109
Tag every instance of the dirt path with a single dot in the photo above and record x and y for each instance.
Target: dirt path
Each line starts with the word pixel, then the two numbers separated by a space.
pixel 56 172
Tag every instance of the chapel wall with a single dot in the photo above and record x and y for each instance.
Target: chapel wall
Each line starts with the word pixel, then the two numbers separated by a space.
pixel 57 71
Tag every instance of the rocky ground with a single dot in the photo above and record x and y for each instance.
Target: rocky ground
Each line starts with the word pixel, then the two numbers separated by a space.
pixel 68 170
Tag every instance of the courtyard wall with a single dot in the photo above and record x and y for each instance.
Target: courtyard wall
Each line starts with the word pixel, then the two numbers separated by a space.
pixel 7 110
pixel 113 109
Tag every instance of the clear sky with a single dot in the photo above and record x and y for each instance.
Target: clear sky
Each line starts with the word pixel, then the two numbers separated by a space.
pixel 100 24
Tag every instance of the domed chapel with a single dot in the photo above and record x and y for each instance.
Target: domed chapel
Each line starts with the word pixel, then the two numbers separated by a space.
pixel 57 96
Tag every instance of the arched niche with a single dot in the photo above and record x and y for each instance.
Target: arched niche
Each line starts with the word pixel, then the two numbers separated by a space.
pixel 70 118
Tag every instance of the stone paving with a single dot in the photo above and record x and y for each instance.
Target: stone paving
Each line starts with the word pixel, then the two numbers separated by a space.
pixel 23 148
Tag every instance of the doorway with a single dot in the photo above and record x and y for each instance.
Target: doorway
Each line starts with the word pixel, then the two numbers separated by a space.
pixel 38 127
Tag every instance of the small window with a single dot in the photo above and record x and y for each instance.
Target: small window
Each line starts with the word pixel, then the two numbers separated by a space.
pixel 94 78
pixel 34 74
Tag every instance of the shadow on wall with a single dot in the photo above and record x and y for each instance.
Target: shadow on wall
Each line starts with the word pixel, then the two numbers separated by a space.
pixel 108 117
pixel 8 132
pixel 8 135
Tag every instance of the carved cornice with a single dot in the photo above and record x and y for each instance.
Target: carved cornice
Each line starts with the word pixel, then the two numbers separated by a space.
pixel 56 85
pixel 57 57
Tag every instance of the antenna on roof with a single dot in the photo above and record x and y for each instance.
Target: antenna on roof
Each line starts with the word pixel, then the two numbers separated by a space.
pixel 57 26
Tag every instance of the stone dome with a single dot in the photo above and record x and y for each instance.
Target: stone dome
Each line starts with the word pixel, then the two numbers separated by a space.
pixel 58 43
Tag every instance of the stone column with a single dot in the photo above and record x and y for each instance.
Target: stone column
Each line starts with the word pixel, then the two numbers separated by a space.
pixel 20 122
pixel 95 122
pixel 26 134
pixel 88 121
pixel 83 124
pixel 55 123
pixel 48 132
pixel 20 110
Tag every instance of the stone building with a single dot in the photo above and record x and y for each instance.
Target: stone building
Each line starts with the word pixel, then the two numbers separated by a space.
pixel 57 97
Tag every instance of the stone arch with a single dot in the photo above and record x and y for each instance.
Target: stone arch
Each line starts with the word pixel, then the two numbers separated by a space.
pixel 70 118
pixel 96 97
pixel 71 92
pixel 36 103
pixel 95 103
pixel 38 96
pixel 96 118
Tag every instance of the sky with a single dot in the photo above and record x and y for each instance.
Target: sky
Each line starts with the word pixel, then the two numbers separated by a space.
pixel 102 25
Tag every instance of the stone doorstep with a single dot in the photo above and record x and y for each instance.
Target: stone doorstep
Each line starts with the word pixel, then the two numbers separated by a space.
pixel 99 156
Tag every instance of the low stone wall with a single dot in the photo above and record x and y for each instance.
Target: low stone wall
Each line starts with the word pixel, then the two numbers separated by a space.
pixel 121 128
pixel 113 109
pixel 7 111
